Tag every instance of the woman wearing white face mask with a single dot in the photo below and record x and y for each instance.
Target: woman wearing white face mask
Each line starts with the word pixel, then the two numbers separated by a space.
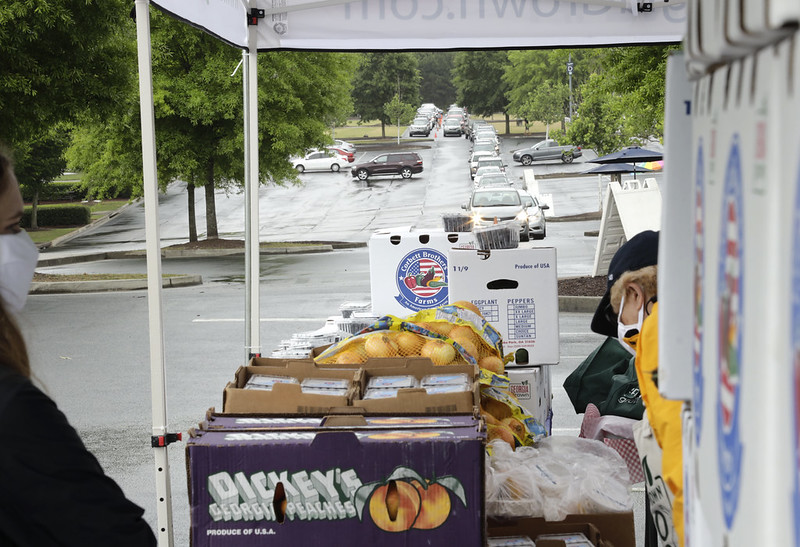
pixel 54 490
pixel 629 311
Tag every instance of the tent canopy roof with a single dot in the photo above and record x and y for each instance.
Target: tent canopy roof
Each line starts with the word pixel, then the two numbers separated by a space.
pixel 359 25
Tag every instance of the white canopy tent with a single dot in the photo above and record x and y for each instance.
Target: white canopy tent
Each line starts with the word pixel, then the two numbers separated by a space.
pixel 353 25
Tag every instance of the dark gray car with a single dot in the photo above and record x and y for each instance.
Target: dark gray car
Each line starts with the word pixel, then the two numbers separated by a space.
pixel 404 164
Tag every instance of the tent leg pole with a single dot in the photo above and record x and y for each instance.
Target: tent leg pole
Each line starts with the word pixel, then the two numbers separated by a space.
pixel 154 288
pixel 248 240
pixel 252 85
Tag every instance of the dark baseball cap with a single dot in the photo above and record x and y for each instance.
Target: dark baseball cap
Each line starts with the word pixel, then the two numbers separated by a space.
pixel 638 252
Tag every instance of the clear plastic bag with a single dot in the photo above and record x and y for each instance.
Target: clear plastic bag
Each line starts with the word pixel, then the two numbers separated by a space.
pixel 556 477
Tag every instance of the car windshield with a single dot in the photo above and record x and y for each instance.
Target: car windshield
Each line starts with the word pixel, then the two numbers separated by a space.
pixel 494 180
pixel 488 147
pixel 494 198
pixel 490 163
pixel 420 121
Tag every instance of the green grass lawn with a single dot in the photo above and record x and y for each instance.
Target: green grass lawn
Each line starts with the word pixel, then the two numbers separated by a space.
pixel 98 210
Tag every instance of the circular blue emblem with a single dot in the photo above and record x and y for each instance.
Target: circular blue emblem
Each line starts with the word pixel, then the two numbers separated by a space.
pixel 699 258
pixel 795 352
pixel 421 280
pixel 729 347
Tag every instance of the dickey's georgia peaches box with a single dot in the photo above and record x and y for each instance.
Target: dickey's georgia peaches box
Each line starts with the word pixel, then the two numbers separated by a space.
pixel 401 482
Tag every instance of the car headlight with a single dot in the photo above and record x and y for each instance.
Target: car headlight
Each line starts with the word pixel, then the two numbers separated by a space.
pixel 522 216
pixel 536 216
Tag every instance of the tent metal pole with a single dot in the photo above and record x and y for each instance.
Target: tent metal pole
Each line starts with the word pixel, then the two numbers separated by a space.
pixel 154 289
pixel 254 271
pixel 248 343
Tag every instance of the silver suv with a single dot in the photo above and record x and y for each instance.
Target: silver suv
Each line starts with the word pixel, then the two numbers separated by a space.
pixel 420 126
pixel 498 205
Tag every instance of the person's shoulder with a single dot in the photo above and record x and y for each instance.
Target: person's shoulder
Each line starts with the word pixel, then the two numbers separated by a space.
pixel 11 383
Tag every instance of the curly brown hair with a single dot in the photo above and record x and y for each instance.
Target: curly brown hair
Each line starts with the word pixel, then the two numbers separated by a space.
pixel 646 278
pixel 13 352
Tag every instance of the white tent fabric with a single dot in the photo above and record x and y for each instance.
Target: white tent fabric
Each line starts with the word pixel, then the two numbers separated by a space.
pixel 354 25
pixel 349 25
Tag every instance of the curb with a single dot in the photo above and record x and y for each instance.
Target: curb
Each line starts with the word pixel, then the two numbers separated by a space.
pixel 578 304
pixel 192 253
pixel 99 222
pixel 54 287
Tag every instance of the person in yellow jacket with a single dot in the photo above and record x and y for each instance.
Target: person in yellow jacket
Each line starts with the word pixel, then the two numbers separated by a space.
pixel 629 311
pixel 663 414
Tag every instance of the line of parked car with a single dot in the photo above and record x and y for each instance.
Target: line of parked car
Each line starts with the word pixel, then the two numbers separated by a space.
pixel 493 199
pixel 334 157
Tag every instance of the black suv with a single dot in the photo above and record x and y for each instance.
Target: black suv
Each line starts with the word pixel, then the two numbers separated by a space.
pixel 404 164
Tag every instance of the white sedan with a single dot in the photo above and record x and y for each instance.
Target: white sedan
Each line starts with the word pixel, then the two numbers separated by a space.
pixel 320 161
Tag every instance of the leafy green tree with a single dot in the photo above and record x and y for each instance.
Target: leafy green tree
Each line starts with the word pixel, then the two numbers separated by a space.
pixel 478 76
pixel 546 104
pixel 41 160
pixel 597 124
pixel 623 103
pixel 529 70
pixel 57 59
pixel 378 78
pixel 436 84
pixel 402 112
pixel 198 109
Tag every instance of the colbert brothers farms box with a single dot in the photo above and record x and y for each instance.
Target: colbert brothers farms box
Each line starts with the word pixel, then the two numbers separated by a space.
pixel 517 292
pixel 351 483
pixel 408 269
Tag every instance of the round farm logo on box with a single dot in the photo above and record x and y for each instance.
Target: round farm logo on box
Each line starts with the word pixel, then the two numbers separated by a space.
pixel 422 280
pixel 699 255
pixel 731 282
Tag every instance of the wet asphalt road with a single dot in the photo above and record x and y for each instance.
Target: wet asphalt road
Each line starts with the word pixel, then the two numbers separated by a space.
pixel 91 351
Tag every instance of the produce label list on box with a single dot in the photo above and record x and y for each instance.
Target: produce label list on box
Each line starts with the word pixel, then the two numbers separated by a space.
pixel 413 485
pixel 517 292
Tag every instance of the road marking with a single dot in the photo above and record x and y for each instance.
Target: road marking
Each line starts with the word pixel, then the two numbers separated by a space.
pixel 263 320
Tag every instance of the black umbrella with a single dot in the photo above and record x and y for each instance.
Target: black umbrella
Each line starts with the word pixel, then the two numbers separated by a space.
pixel 632 154
pixel 617 169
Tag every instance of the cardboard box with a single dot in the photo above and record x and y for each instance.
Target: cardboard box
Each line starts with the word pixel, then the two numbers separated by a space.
pixel 216 421
pixel 533 389
pixel 324 487
pixel 398 256
pixel 517 292
pixel 416 401
pixel 286 398
pixel 604 529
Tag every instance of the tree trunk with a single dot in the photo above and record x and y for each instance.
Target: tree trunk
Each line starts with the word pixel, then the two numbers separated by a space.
pixel 383 129
pixel 211 207
pixel 508 123
pixel 192 215
pixel 35 211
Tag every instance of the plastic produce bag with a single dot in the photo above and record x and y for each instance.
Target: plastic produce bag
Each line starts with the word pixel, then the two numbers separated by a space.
pixel 446 335
pixel 556 477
